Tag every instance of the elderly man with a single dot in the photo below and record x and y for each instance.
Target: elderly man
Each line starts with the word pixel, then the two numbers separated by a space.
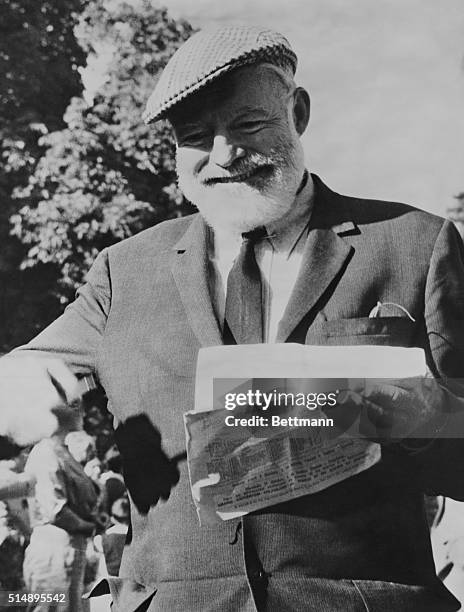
pixel 322 264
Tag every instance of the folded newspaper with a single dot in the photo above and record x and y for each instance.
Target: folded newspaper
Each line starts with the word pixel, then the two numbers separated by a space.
pixel 261 432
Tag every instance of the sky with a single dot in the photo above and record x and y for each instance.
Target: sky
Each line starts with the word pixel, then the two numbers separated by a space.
pixel 386 80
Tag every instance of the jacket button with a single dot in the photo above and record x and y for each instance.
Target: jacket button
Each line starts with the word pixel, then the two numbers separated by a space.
pixel 258 575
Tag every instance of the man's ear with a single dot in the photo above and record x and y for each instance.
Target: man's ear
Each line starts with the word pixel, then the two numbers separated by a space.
pixel 301 109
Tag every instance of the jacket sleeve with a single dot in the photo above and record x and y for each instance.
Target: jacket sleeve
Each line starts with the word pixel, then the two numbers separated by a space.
pixel 441 463
pixel 444 306
pixel 76 335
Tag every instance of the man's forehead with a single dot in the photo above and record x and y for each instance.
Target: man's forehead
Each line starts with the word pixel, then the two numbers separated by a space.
pixel 245 90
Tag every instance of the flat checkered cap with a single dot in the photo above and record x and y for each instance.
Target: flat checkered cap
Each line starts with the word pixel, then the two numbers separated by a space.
pixel 211 53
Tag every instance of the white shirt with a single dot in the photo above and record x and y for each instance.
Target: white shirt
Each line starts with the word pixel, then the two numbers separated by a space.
pixel 278 257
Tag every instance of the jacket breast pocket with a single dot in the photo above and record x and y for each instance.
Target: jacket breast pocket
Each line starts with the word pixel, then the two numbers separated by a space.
pixel 388 331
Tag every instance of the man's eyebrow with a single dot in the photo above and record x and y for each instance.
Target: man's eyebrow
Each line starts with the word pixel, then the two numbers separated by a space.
pixel 246 111
pixel 189 126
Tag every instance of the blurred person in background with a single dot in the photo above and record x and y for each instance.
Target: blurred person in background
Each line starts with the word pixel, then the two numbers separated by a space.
pixel 12 543
pixel 62 517
pixel 110 546
pixel 111 478
pixel 81 446
pixel 16 489
pixel 16 486
pixel 111 542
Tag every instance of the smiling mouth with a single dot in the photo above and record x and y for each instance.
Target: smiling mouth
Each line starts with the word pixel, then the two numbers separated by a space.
pixel 242 177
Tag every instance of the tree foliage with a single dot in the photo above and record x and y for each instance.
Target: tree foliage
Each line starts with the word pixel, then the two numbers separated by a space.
pixel 105 175
pixel 39 58
pixel 39 61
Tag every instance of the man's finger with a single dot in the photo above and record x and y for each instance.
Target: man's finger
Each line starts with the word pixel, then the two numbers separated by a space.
pixel 378 416
pixel 385 395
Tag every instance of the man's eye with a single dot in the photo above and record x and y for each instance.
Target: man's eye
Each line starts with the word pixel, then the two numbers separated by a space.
pixel 194 138
pixel 249 126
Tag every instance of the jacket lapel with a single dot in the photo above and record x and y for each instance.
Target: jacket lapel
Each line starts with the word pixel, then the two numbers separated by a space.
pixel 325 256
pixel 190 268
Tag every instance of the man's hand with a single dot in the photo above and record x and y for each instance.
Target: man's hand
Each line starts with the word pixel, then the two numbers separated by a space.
pixel 397 409
pixel 148 473
pixel 30 389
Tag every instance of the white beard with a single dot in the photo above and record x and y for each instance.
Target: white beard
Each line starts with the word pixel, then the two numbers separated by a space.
pixel 237 207
pixel 240 207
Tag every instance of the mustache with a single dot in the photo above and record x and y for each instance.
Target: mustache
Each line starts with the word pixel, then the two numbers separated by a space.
pixel 241 170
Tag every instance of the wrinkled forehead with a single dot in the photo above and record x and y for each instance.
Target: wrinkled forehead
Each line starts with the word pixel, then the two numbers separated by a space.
pixel 257 87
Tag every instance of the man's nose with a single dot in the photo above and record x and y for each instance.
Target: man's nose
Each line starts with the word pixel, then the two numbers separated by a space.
pixel 224 151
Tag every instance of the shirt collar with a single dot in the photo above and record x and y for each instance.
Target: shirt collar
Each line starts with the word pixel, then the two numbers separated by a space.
pixel 284 234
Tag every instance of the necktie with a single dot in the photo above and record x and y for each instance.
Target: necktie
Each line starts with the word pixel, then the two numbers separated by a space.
pixel 243 312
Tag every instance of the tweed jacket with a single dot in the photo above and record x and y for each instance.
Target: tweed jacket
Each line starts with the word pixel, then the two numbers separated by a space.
pixel 363 544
